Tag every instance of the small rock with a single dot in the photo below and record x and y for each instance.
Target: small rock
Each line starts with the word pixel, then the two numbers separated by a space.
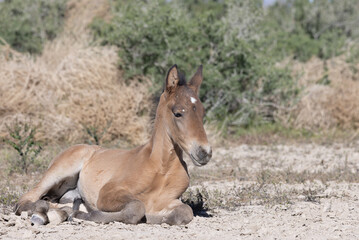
pixel 327 207
pixel 284 207
pixel 301 197
pixel 6 218
pixel 24 215
pixel 91 223
pixel 297 213
pixel 328 191
pixel 281 208
pixel 10 224
pixel 18 222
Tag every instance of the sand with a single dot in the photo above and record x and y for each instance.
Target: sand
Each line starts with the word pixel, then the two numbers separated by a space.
pixel 333 215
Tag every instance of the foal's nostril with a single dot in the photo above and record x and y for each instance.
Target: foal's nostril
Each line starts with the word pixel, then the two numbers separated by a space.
pixel 204 155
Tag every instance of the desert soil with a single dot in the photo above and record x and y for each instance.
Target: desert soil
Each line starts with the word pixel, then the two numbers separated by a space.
pixel 333 213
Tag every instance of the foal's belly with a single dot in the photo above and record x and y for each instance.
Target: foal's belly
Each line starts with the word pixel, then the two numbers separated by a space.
pixel 141 179
pixel 97 171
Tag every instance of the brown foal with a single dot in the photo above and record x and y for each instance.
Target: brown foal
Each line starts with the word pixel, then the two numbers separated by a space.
pixel 130 186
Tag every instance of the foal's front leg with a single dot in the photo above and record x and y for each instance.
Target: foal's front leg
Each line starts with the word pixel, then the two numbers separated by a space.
pixel 177 213
pixel 115 204
pixel 44 212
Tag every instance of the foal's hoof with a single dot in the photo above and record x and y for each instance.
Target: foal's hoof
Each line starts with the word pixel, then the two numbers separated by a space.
pixel 39 219
pixel 26 206
pixel 181 215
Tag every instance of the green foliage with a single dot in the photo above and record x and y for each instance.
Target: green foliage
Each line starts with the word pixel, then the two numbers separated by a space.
pixel 96 133
pixel 305 28
pixel 26 25
pixel 242 86
pixel 238 42
pixel 22 139
pixel 353 54
pixel 8 198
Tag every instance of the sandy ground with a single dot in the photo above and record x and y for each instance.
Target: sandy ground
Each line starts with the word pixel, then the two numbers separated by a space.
pixel 334 215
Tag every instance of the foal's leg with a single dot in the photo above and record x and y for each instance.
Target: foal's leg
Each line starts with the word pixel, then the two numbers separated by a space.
pixel 45 212
pixel 65 166
pixel 131 213
pixel 115 204
pixel 177 213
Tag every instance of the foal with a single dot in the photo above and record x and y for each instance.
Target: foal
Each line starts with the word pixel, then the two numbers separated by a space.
pixel 130 186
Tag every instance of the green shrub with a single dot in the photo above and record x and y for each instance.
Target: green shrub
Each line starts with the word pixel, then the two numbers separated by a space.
pixel 26 25
pixel 242 86
pixel 22 139
pixel 305 28
pixel 96 133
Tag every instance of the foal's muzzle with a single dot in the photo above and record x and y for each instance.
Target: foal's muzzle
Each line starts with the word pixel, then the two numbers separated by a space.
pixel 201 155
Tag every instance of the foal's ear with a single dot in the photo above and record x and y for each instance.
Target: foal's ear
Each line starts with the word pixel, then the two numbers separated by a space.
pixel 172 79
pixel 196 80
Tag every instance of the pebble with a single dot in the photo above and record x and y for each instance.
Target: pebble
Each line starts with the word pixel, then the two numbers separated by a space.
pixel 10 224
pixel 327 207
pixel 297 212
pixel 24 215
pixel 5 218
pixel 18 222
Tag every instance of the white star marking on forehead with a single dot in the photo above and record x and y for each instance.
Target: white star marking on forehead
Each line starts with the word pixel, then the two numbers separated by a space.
pixel 193 100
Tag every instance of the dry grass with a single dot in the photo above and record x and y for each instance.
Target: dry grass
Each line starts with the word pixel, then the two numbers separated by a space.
pixel 73 84
pixel 330 98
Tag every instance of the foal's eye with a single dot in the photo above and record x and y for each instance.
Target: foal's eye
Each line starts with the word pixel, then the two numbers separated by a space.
pixel 177 115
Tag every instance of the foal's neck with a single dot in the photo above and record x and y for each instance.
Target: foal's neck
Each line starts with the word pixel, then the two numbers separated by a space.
pixel 164 152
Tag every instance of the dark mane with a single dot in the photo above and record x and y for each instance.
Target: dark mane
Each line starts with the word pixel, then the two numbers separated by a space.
pixel 182 79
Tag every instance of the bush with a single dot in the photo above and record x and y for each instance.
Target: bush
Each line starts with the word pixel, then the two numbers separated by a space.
pixel 26 25
pixel 22 139
pixel 242 86
pixel 305 28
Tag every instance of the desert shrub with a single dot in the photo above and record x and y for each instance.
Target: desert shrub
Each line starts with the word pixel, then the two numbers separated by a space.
pixel 26 25
pixel 242 86
pixel 8 198
pixel 72 85
pixel 22 139
pixel 96 133
pixel 305 28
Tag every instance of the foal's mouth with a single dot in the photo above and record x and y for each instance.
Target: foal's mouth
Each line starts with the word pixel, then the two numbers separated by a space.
pixel 200 157
pixel 196 162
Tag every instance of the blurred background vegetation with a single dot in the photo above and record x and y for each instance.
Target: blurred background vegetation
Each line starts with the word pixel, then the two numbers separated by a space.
pixel 247 49
pixel 26 25
pixel 239 43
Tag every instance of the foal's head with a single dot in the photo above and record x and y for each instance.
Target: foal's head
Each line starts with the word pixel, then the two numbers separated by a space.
pixel 183 114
